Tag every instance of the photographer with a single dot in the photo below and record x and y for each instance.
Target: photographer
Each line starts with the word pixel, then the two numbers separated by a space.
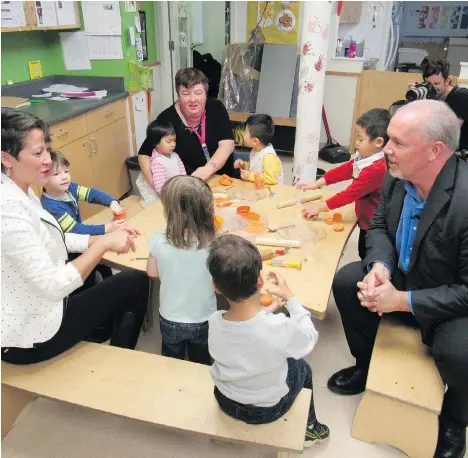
pixel 436 73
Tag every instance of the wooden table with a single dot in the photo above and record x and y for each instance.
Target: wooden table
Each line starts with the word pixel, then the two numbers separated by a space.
pixel 312 284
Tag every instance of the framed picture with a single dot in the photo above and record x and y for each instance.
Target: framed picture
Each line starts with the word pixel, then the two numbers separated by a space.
pixel 143 35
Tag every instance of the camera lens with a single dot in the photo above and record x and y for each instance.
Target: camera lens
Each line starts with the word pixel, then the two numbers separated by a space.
pixel 417 93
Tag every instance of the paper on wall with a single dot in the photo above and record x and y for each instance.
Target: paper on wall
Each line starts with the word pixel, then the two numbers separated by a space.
pixel 102 18
pixel 138 23
pixel 131 31
pixel 139 49
pixel 13 14
pixel 75 50
pixel 46 15
pixel 66 13
pixel 105 47
pixel 130 7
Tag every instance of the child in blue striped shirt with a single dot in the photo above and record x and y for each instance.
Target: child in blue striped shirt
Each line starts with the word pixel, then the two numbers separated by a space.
pixel 61 198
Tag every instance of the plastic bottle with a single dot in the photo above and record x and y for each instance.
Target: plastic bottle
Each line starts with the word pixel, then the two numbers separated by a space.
pixel 339 48
pixel 352 49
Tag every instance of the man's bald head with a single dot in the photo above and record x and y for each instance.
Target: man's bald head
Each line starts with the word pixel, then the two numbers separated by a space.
pixel 435 120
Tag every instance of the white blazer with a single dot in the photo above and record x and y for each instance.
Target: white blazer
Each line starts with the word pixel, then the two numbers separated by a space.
pixel 36 278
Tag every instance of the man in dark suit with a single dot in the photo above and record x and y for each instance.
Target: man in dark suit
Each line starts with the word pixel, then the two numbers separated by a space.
pixel 416 264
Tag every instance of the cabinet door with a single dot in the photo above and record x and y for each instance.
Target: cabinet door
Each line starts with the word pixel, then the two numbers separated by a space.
pixel 81 170
pixel 110 149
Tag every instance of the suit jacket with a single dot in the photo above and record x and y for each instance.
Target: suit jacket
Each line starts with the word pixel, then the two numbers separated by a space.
pixel 438 269
pixel 36 277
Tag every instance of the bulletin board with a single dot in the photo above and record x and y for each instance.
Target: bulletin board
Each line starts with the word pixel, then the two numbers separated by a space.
pixel 273 22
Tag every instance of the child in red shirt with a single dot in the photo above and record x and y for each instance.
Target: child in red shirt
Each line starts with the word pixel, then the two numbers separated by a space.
pixel 367 170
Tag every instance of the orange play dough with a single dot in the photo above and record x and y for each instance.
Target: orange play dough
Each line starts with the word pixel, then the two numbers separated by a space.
pixel 252 216
pixel 243 210
pixel 121 216
pixel 337 217
pixel 329 221
pixel 256 227
pixel 266 299
pixel 338 227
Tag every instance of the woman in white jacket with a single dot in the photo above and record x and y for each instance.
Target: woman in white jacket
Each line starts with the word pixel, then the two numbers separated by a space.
pixel 41 317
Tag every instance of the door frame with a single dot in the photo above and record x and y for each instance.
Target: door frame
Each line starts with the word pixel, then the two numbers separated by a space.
pixel 167 94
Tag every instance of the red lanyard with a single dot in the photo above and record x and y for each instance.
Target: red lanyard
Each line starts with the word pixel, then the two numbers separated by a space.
pixel 202 137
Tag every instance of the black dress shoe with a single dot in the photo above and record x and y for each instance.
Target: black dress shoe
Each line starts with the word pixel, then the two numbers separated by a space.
pixel 452 441
pixel 349 381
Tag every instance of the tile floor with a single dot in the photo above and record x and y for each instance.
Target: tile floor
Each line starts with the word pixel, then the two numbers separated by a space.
pixel 47 429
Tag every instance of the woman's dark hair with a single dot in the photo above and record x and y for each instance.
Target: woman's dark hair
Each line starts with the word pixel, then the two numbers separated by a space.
pixel 189 77
pixel 375 122
pixel 15 126
pixel 261 126
pixel 434 67
pixel 157 130
pixel 235 265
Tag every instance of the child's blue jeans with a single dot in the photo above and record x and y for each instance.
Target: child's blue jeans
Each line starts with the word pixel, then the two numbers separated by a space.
pixel 299 376
pixel 179 338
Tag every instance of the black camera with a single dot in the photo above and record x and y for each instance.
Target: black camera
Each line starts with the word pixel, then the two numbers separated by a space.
pixel 421 91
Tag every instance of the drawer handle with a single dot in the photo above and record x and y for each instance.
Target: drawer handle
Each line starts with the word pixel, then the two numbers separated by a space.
pixel 94 147
pixel 65 132
pixel 108 114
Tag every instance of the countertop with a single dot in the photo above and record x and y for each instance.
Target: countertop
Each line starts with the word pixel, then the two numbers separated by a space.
pixel 52 111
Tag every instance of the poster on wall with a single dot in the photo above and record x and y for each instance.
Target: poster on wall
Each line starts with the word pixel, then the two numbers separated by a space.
pixel 435 19
pixel 273 22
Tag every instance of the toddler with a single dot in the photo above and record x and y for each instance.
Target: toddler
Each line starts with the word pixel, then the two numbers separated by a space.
pixel 258 135
pixel 61 197
pixel 367 169
pixel 165 163
pixel 258 367
pixel 178 257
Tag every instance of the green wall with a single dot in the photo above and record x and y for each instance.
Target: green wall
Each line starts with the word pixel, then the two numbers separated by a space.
pixel 20 47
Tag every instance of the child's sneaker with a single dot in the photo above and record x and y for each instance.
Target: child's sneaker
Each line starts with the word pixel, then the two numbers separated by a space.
pixel 316 434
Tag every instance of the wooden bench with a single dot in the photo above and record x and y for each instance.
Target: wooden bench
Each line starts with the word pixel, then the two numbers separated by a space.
pixel 169 393
pixel 404 393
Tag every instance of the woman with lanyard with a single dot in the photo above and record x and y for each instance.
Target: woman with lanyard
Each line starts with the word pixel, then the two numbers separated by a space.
pixel 203 130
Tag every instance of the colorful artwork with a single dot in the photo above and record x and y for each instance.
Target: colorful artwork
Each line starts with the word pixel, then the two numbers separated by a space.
pixel 423 16
pixel 455 19
pixel 464 18
pixel 273 22
pixel 444 17
pixel 434 17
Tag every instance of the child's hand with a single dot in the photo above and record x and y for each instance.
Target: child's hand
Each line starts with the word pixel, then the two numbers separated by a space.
pixel 238 163
pixel 280 288
pixel 308 186
pixel 244 174
pixel 314 210
pixel 116 208
pixel 113 226
pixel 275 305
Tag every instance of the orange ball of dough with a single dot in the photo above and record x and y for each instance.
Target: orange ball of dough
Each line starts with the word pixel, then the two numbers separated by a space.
pixel 266 299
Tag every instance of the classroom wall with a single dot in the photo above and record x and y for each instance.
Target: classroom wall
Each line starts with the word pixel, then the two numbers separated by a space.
pixel 17 48
pixel 213 30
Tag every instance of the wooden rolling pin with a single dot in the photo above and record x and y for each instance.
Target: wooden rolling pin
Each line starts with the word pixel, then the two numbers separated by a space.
pixel 301 200
pixel 277 242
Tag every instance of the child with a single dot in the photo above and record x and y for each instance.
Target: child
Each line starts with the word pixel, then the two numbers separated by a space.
pixel 61 197
pixel 367 170
pixel 258 135
pixel 258 367
pixel 178 257
pixel 165 163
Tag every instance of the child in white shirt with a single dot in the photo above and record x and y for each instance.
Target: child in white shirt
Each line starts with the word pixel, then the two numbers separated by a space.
pixel 264 163
pixel 258 367
pixel 178 257
pixel 165 162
